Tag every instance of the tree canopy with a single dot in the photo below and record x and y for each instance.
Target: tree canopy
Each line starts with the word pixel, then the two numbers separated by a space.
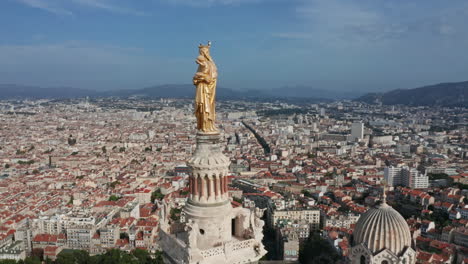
pixel 113 256
pixel 317 250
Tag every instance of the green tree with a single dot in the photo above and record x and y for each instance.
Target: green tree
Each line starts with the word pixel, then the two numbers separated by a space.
pixel 306 193
pixel 73 257
pixel 148 149
pixel 114 256
pixel 124 236
pixel 317 250
pixel 32 260
pixel 144 257
pixel 239 200
pixel 114 198
pixel 113 184
pixel 440 218
pixel 71 141
pixel 7 166
pixel 461 186
pixel 158 258
pixel 344 209
pixel 175 213
pixel 7 261
pixel 157 195
pixel 184 192
pixel 29 162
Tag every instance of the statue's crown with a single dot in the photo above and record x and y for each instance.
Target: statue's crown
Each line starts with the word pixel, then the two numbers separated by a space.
pixel 201 46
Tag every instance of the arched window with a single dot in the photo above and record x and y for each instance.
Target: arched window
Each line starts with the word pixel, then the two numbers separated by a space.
pixel 363 259
pixel 384 262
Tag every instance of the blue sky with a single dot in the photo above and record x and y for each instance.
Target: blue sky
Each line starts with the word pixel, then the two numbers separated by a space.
pixel 363 45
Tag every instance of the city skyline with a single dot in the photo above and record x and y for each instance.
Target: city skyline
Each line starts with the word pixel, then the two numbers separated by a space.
pixel 335 45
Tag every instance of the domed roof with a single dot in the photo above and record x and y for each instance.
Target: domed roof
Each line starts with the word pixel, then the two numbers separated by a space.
pixel 382 227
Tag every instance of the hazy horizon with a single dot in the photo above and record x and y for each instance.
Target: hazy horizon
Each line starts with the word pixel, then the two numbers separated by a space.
pixel 337 45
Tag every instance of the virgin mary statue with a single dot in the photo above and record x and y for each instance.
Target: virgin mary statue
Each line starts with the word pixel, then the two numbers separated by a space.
pixel 205 80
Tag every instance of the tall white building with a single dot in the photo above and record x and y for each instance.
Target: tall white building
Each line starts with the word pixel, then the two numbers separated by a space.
pixel 357 131
pixel 414 179
pixel 409 177
pixel 322 111
pixel 392 175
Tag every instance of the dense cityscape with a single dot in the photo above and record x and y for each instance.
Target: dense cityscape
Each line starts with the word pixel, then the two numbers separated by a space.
pixel 233 132
pixel 99 174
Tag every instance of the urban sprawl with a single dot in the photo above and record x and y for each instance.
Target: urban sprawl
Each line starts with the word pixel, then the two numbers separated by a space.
pixel 93 174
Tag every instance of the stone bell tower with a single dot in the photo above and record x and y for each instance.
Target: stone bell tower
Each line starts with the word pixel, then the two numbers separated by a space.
pixel 209 204
pixel 213 231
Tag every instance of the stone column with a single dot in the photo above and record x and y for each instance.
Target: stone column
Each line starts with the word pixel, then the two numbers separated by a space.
pixel 208 188
pixel 212 188
pixel 217 191
pixel 225 185
pixel 195 187
pixel 190 187
pixel 221 184
pixel 203 188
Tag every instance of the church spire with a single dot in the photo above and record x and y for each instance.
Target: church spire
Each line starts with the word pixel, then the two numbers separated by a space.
pixel 384 193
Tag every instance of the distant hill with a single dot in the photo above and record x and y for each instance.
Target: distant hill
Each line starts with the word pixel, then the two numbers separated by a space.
pixel 161 91
pixel 181 91
pixel 9 91
pixel 443 94
pixel 307 91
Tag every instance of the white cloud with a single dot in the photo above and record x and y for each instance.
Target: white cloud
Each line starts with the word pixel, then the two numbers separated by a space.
pixel 347 20
pixel 338 14
pixel 206 3
pixel 64 7
pixel 105 5
pixel 46 6
pixel 292 35
pixel 446 30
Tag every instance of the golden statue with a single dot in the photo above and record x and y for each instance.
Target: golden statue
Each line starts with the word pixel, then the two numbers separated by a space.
pixel 205 80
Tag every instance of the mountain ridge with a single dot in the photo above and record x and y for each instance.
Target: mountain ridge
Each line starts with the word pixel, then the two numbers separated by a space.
pixel 443 94
pixel 8 91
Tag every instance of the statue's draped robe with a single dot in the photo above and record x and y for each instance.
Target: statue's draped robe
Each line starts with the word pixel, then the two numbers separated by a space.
pixel 205 97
